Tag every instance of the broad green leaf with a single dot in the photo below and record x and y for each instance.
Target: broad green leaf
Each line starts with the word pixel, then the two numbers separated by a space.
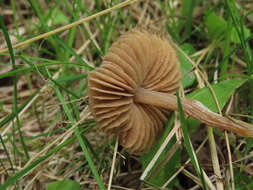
pixel 65 184
pixel 216 25
pixel 188 77
pixel 223 90
pixel 170 167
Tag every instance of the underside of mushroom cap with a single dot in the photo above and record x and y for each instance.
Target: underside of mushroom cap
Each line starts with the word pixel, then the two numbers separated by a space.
pixel 138 59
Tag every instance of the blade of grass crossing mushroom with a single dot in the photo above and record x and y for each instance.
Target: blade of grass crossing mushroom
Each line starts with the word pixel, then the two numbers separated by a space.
pixel 15 81
pixel 188 144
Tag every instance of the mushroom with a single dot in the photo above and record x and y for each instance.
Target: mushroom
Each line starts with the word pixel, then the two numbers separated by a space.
pixel 132 91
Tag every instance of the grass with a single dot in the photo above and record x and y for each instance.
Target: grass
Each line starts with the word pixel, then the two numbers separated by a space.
pixel 47 132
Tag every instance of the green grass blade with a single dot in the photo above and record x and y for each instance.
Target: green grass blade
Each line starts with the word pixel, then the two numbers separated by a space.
pixel 72 32
pixel 187 12
pixel 109 33
pixel 225 60
pixel 188 144
pixel 238 24
pixel 89 160
pixel 6 152
pixel 15 17
pixel 81 142
pixel 56 37
pixel 79 138
pixel 15 81
pixel 32 68
pixel 11 116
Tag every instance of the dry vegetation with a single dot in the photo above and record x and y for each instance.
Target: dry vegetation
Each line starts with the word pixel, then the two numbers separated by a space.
pixel 46 140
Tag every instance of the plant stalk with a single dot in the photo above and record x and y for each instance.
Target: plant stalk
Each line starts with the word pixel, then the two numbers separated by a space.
pixel 193 109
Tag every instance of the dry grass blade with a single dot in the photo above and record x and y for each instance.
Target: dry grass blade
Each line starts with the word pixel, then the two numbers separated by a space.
pixel 113 164
pixel 60 29
pixel 158 153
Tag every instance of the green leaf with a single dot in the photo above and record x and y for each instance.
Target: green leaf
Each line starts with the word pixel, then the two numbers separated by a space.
pixel 65 184
pixel 216 25
pixel 188 77
pixel 170 167
pixel 59 18
pixel 223 90
pixel 235 37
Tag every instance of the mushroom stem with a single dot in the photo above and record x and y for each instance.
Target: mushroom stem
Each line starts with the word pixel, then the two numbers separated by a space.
pixel 193 109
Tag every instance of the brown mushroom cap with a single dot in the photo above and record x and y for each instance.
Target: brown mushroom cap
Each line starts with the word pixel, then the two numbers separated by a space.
pixel 137 60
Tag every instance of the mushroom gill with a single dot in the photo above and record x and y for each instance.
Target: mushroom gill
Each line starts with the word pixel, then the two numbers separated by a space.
pixel 135 85
pixel 137 60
